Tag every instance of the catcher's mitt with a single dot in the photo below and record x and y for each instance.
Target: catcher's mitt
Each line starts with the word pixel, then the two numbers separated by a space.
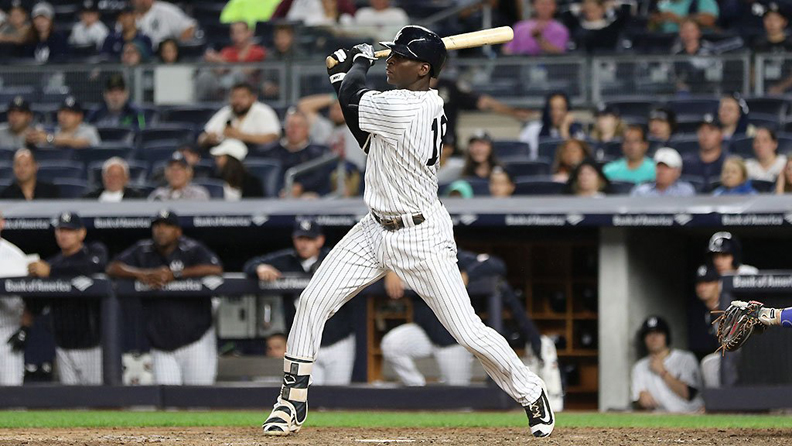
pixel 737 323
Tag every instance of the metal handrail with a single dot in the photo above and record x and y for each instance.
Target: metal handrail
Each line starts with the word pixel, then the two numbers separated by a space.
pixel 290 174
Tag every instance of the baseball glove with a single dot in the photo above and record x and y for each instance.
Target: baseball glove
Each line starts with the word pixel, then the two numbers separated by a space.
pixel 737 324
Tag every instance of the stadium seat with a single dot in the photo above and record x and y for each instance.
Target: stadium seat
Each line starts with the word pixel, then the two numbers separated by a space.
pixel 195 116
pixel 742 146
pixel 696 182
pixel 764 120
pixel 102 153
pixel 7 154
pixel 768 105
pixel 784 143
pixel 693 109
pixel 6 171
pixel 607 150
pixel 507 149
pixel 155 152
pixel 216 188
pixel 59 154
pixel 70 187
pixel 537 186
pixel 116 134
pixel 684 145
pixel 621 187
pixel 480 186
pixel 524 168
pixel 688 127
pixel 165 132
pixel 267 171
pixel 630 108
pixel 50 170
pixel 547 147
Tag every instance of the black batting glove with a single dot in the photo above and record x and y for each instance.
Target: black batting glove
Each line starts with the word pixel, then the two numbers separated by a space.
pixel 18 340
pixel 344 63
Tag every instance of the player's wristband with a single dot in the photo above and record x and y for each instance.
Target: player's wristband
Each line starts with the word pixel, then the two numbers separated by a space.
pixel 338 77
pixel 786 317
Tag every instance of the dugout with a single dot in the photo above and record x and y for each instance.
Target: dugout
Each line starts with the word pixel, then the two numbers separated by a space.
pixel 589 270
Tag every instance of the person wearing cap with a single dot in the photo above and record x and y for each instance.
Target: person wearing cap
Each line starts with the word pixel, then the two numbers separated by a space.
pixel 724 251
pixel 71 132
pixel 635 166
pixel 702 335
pixel 115 183
pixel 666 379
pixel 179 330
pixel 16 27
pixel 89 30
pixel 662 124
pixel 162 20
pixel 117 110
pixel 501 183
pixel 26 185
pixel 480 157
pixel 707 162
pixel 76 324
pixel 245 119
pixel 239 183
pixel 336 354
pixel 668 168
pixel 608 126
pixel 14 133
pixel 179 174
pixel 776 39
pixel 45 44
pixel 127 32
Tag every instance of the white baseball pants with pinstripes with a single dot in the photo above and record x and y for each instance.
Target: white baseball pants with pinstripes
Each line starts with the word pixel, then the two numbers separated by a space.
pixel 424 257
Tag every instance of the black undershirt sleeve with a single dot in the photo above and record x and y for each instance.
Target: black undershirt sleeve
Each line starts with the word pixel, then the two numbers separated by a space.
pixel 349 92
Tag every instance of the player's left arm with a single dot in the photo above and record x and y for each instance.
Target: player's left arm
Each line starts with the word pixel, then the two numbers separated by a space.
pixel 348 78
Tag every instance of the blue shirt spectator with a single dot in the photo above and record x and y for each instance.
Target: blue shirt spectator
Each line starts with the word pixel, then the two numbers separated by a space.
pixel 707 163
pixel 668 165
pixel 116 110
pixel 46 44
pixel 114 43
pixel 734 178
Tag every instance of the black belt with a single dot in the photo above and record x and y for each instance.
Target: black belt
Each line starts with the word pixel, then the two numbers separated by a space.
pixel 394 224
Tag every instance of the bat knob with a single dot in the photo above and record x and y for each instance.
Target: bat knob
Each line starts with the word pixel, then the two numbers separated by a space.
pixel 330 62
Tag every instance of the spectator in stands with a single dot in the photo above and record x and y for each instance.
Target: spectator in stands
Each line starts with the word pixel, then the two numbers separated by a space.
pixel 707 163
pixel 295 149
pixel 114 43
pixel 596 25
pixel 71 132
pixel 115 183
pixel 662 124
pixel 76 324
pixel 316 12
pixel 671 14
pixel 89 30
pixel 44 43
pixel 666 380
pixel 775 38
pixel 734 178
pixel 336 354
pixel 700 328
pixel 15 133
pixel 168 52
pixel 117 110
pixel 332 131
pixel 725 254
pixel 635 166
pixel 742 17
pixel 691 74
pixel 540 35
pixel 180 331
pixel 276 345
pixel 16 28
pixel 135 53
pixel 668 168
pixel 162 20
pixel 250 11
pixel 459 189
pixel 587 180
pixel 784 182
pixel 228 156
pixel 451 164
pixel 568 155
pixel 480 158
pixel 193 156
pixel 179 175
pixel 501 183
pixel 557 122
pixel 608 126
pixel 245 119
pixel 380 21
pixel 26 185
pixel 767 164
pixel 733 116
pixel 212 82
pixel 284 47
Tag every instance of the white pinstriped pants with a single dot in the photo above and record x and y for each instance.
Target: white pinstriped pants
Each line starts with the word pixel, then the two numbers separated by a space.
pixel 424 257
pixel 79 366
pixel 334 363
pixel 12 364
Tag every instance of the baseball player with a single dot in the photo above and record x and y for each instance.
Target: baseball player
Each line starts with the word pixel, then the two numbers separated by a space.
pixel 75 322
pixel 407 230
pixel 725 252
pixel 13 332
pixel 180 331
pixel 336 356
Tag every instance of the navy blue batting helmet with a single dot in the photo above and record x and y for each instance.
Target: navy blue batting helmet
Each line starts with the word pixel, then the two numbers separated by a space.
pixel 418 43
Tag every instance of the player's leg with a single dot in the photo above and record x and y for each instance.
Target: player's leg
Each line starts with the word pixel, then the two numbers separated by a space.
pixel 68 372
pixel 456 364
pixel 351 266
pixel 401 346
pixel 12 364
pixel 198 361
pixel 319 369
pixel 90 360
pixel 711 370
pixel 337 360
pixel 165 368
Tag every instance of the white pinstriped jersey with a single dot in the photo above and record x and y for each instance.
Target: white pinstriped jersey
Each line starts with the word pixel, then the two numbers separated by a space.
pixel 407 129
pixel 12 264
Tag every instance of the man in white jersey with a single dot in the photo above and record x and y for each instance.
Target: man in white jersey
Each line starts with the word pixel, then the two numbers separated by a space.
pixel 12 334
pixel 407 229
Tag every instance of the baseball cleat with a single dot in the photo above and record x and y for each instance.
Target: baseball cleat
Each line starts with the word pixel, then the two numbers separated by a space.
pixel 282 421
pixel 540 416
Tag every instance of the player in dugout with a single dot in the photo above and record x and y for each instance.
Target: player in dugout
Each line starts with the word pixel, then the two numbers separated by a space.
pixel 76 322
pixel 180 331
pixel 336 357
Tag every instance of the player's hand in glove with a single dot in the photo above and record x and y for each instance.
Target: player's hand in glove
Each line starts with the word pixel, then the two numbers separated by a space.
pixel 363 51
pixel 344 59
pixel 737 323
pixel 18 340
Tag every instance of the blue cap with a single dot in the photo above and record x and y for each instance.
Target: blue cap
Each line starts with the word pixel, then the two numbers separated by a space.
pixel 166 216
pixel 68 220
pixel 307 228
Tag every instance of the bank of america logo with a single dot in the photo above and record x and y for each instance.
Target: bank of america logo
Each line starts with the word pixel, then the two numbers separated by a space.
pixel 467 219
pixel 788 218
pixel 82 283
pixel 259 220
pixel 212 282
pixel 683 219
pixel 574 219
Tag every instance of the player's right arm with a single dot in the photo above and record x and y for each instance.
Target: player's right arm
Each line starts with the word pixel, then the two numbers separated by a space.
pixel 265 267
pixel 348 78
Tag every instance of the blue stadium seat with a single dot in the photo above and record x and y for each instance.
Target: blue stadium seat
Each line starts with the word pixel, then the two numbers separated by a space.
pixel 621 187
pixel 154 154
pixel 542 185
pixel 524 168
pixel 764 120
pixel 267 171
pixel 764 187
pixel 195 116
pixel 7 154
pixel 70 187
pixel 769 105
pixel 632 108
pixel 687 127
pixel 116 134
pixel 6 171
pixel 684 145
pixel 742 146
pixel 784 143
pixel 93 154
pixel 215 187
pixel 50 170
pixel 9 92
pixel 607 150
pixel 506 149
pixel 548 146
pixel 165 132
pixel 692 109
pixel 59 154
pixel 696 182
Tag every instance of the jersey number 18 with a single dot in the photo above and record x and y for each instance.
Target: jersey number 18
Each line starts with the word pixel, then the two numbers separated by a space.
pixel 438 131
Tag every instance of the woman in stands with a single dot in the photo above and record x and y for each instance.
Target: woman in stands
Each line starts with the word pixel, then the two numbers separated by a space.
pixel 168 51
pixel 239 183
pixel 16 27
pixel 557 122
pixel 767 164
pixel 587 180
pixel 596 25
pixel 480 158
pixel 784 183
pixel 734 178
pixel 608 126
pixel 733 116
pixel 662 125
pixel 44 43
pixel 568 156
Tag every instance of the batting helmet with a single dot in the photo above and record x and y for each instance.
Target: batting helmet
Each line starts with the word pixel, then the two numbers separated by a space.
pixel 655 323
pixel 418 43
pixel 726 243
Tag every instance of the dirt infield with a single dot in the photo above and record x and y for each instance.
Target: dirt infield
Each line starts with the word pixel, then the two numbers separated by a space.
pixel 224 436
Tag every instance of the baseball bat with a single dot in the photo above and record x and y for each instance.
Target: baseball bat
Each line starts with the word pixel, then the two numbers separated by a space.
pixel 490 36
